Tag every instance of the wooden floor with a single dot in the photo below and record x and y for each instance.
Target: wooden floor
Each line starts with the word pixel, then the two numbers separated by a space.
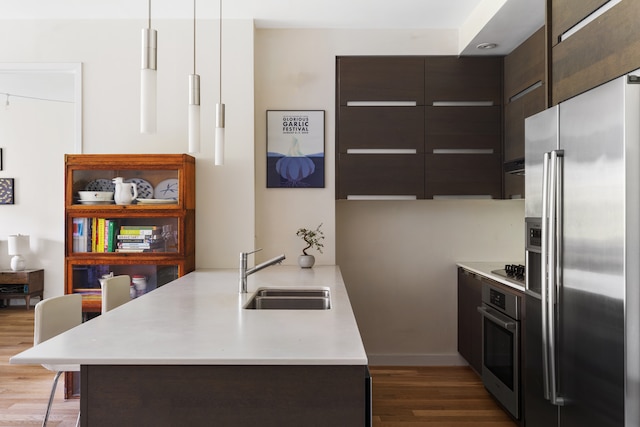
pixel 402 396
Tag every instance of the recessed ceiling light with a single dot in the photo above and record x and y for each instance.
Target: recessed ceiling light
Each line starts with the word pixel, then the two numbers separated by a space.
pixel 487 46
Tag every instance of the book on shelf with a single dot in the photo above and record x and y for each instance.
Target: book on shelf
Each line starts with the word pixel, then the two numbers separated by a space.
pixel 141 231
pixel 136 237
pixel 81 232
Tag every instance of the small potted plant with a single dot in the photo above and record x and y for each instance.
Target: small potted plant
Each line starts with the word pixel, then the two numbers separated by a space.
pixel 313 239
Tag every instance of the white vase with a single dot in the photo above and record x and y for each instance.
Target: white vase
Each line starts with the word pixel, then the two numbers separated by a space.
pixel 306 261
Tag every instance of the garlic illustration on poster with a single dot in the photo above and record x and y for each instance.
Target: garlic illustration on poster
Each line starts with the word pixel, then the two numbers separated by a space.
pixel 295 149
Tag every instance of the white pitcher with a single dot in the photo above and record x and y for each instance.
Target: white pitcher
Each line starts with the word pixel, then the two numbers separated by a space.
pixel 125 192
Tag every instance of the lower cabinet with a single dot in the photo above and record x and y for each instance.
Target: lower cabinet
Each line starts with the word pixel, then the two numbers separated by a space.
pixel 225 395
pixel 469 319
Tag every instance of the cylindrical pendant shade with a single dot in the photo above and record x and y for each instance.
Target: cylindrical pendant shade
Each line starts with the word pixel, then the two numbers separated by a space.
pixel 148 83
pixel 219 143
pixel 194 128
pixel 18 244
pixel 219 147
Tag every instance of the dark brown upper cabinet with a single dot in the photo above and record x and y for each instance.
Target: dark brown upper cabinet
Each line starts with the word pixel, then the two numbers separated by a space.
pixel 567 13
pixel 393 140
pixel 450 78
pixel 381 128
pixel 380 78
pixel 605 48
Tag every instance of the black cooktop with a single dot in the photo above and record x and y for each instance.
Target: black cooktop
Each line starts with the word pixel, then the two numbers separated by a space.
pixel 512 272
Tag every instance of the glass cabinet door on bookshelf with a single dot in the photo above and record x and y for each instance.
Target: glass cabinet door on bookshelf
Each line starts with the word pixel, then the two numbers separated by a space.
pixel 156 187
pixel 144 278
pixel 126 235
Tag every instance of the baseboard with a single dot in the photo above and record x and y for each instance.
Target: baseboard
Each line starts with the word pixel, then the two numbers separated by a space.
pixel 416 360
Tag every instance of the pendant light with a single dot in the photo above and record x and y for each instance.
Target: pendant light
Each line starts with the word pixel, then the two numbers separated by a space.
pixel 219 142
pixel 194 97
pixel 148 78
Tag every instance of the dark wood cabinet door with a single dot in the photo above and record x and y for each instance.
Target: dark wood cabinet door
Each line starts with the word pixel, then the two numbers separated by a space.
pixel 606 48
pixel 469 319
pixel 450 78
pixel 567 13
pixel 463 175
pixel 381 128
pixel 381 174
pixel 463 128
pixel 380 78
pixel 525 65
pixel 514 115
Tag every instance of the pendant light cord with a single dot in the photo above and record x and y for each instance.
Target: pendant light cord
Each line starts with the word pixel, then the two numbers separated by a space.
pixel 220 52
pixel 149 14
pixel 194 36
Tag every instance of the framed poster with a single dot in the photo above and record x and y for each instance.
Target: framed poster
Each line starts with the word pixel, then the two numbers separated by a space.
pixel 6 191
pixel 295 148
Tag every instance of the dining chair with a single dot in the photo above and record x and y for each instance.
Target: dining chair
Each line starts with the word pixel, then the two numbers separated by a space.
pixel 115 292
pixel 54 316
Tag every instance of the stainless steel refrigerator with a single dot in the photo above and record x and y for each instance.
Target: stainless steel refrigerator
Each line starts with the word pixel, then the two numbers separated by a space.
pixel 582 302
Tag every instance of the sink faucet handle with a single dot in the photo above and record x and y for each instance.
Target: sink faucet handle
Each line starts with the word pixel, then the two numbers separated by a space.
pixel 252 252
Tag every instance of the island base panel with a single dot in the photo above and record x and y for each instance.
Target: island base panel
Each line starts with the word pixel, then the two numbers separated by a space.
pixel 235 396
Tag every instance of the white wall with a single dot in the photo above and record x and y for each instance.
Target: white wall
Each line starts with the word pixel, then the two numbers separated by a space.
pixel 398 258
pixel 33 146
pixel 110 54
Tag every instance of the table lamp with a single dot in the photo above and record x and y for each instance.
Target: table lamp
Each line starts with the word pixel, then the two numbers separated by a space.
pixel 18 245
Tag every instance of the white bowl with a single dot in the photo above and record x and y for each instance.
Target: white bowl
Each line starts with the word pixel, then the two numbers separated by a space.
pixel 95 196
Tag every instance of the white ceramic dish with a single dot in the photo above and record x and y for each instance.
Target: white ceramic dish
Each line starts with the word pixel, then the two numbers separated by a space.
pixel 101 184
pixel 167 189
pixel 157 201
pixel 144 187
pixel 95 196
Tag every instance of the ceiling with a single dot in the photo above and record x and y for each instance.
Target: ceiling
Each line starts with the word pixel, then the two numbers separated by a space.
pixel 505 22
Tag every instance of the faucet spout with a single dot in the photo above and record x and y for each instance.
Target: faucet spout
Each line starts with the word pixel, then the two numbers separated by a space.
pixel 246 272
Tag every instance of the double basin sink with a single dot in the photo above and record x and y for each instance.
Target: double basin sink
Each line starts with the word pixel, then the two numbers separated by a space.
pixel 290 299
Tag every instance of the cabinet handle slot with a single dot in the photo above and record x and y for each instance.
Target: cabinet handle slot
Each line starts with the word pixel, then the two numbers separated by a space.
pixel 592 17
pixel 462 103
pixel 382 103
pixel 382 151
pixel 463 151
pixel 522 93
pixel 462 196
pixel 380 197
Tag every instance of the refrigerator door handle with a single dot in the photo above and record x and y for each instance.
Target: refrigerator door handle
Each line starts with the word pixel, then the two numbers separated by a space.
pixel 554 267
pixel 544 276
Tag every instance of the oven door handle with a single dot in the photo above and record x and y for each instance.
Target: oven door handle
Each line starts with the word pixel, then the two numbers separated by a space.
pixel 496 318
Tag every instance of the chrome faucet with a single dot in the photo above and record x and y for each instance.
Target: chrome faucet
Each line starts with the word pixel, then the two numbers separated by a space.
pixel 244 272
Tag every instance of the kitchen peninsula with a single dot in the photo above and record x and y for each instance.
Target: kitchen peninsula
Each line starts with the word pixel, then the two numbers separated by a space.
pixel 189 353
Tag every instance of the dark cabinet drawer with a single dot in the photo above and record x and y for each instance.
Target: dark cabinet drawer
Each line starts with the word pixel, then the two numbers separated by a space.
pixel 378 78
pixel 514 115
pixel 463 127
pixel 567 13
pixel 463 175
pixel 381 128
pixel 450 78
pixel 381 174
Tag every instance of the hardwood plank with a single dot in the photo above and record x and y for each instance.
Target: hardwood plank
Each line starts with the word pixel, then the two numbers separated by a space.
pixel 24 390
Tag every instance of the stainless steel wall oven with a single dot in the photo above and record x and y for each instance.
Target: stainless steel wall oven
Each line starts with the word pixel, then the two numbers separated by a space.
pixel 501 346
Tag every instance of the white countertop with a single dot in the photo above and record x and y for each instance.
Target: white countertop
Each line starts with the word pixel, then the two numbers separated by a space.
pixel 199 319
pixel 485 268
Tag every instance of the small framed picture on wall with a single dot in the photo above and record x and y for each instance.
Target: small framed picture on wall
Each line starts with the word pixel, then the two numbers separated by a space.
pixel 295 149
pixel 6 191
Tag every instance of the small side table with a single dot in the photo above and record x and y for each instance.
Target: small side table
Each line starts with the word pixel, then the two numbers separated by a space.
pixel 21 284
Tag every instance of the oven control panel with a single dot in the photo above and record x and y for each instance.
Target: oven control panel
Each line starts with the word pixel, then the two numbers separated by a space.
pixel 504 301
